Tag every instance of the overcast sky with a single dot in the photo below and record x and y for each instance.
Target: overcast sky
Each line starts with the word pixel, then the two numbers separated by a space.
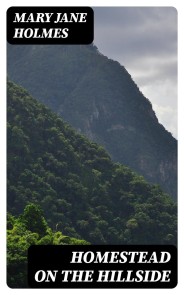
pixel 144 40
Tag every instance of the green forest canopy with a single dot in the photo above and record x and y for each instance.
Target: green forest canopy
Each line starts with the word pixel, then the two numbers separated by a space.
pixel 29 228
pixel 75 182
pixel 64 189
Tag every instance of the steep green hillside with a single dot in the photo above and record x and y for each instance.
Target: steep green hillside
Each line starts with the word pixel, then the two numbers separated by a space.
pixel 81 191
pixel 98 97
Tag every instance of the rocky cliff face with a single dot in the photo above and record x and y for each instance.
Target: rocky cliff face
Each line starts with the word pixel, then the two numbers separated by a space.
pixel 148 160
pixel 99 98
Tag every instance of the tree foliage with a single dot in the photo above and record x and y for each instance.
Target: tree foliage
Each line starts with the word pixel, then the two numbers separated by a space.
pixel 55 172
pixel 76 183
pixel 24 231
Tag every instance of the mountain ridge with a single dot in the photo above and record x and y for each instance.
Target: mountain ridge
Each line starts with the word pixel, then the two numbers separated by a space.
pixel 98 97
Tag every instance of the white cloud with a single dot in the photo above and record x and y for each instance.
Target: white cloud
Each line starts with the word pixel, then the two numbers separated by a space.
pixel 168 117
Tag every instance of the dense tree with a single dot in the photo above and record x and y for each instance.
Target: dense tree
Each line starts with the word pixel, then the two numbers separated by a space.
pixel 33 219
pixel 60 184
pixel 24 231
pixel 80 190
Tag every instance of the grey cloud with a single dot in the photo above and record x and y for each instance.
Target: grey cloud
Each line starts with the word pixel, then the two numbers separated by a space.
pixel 135 32
pixel 144 40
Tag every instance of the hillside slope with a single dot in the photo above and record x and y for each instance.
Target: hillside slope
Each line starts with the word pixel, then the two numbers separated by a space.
pixel 81 191
pixel 98 97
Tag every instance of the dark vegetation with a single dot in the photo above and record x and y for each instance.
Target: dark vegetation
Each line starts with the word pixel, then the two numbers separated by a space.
pixel 81 191
pixel 64 189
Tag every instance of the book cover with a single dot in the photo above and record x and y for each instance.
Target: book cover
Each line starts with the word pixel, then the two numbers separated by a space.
pixel 91 147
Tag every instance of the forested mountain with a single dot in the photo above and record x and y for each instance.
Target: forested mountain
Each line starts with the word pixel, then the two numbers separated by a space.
pixel 98 97
pixel 82 192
